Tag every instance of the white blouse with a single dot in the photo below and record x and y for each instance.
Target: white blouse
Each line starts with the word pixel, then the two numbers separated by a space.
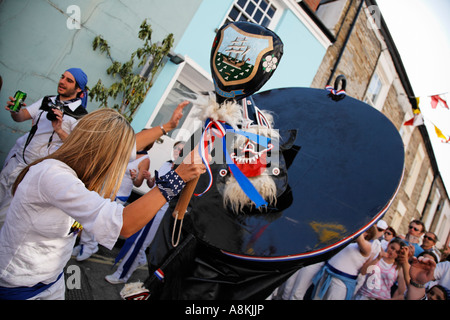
pixel 35 243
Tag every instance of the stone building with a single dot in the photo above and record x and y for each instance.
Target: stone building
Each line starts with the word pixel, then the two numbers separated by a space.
pixel 364 52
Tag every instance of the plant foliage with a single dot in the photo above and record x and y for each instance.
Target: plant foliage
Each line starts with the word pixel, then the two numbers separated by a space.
pixel 129 87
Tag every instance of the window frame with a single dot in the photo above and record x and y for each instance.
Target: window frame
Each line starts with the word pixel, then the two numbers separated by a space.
pixel 274 20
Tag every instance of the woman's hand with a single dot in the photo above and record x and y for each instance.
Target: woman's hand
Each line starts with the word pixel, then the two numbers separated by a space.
pixel 191 167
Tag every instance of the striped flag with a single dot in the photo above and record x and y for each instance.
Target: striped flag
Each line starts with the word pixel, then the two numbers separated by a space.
pixel 159 274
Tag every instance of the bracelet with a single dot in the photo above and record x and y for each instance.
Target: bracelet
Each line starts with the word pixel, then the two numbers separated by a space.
pixel 417 285
pixel 169 184
pixel 164 131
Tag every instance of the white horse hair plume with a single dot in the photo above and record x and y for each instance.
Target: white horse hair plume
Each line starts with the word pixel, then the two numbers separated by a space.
pixel 235 197
pixel 229 111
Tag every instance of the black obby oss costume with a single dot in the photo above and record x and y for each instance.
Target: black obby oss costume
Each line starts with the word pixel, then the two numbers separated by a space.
pixel 337 167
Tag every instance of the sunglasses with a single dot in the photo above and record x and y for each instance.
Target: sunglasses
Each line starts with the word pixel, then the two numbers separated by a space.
pixel 388 233
pixel 429 238
pixel 415 228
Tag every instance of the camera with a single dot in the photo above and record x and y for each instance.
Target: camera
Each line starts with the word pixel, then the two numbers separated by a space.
pixel 48 105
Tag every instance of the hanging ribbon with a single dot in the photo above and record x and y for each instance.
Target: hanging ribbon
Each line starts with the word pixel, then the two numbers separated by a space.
pixel 336 94
pixel 219 129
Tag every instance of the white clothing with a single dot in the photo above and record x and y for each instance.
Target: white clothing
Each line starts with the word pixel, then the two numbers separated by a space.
pixel 349 260
pixel 442 274
pixel 384 244
pixel 141 258
pixel 57 291
pixel 296 286
pixel 39 147
pixel 36 243
pixel 336 291
pixel 20 142
pixel 127 183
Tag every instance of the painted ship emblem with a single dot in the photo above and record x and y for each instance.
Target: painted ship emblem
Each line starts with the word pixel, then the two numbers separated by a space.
pixel 239 48
pixel 239 54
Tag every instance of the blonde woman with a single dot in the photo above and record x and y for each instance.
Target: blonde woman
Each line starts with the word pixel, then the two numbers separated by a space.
pixel 75 186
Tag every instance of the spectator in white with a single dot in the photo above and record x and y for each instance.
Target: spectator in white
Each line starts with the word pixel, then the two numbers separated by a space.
pixel 50 128
pixel 337 279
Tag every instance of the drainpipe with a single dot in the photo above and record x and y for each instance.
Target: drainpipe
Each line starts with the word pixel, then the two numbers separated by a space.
pixel 345 43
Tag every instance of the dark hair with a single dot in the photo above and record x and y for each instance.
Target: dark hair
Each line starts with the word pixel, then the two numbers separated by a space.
pixel 435 258
pixel 394 233
pixel 443 289
pixel 371 233
pixel 420 223
pixel 402 243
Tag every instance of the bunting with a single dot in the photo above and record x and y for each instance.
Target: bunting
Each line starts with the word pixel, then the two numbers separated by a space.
pixel 436 99
pixel 443 137
pixel 416 120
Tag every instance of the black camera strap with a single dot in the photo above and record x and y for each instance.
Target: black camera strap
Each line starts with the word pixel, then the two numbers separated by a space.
pixel 79 112
pixel 30 136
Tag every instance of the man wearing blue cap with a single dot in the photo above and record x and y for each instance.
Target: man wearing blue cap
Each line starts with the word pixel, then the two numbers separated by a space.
pixel 54 118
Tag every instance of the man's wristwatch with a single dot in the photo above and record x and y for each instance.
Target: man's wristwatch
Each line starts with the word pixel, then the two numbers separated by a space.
pixel 164 131
pixel 417 285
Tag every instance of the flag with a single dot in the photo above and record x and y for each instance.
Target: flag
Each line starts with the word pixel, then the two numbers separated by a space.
pixel 416 120
pixel 436 99
pixel 441 135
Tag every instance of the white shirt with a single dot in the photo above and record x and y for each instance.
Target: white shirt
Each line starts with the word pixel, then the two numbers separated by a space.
pixel 35 243
pixel 39 145
pixel 442 274
pixel 127 183
pixel 350 260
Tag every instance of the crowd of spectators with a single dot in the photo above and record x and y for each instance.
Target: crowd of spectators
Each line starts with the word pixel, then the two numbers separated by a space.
pixel 379 265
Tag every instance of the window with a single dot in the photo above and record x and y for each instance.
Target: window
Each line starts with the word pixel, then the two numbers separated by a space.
pixel 329 13
pixel 398 216
pixel 381 81
pixel 425 191
pixel 414 171
pixel 178 93
pixel 261 12
pixel 186 84
pixel 374 89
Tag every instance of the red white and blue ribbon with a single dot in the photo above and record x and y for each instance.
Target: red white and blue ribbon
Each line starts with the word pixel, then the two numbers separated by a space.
pixel 220 129
pixel 339 94
pixel 159 274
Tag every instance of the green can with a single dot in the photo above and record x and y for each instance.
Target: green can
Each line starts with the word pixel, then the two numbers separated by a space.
pixel 19 102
